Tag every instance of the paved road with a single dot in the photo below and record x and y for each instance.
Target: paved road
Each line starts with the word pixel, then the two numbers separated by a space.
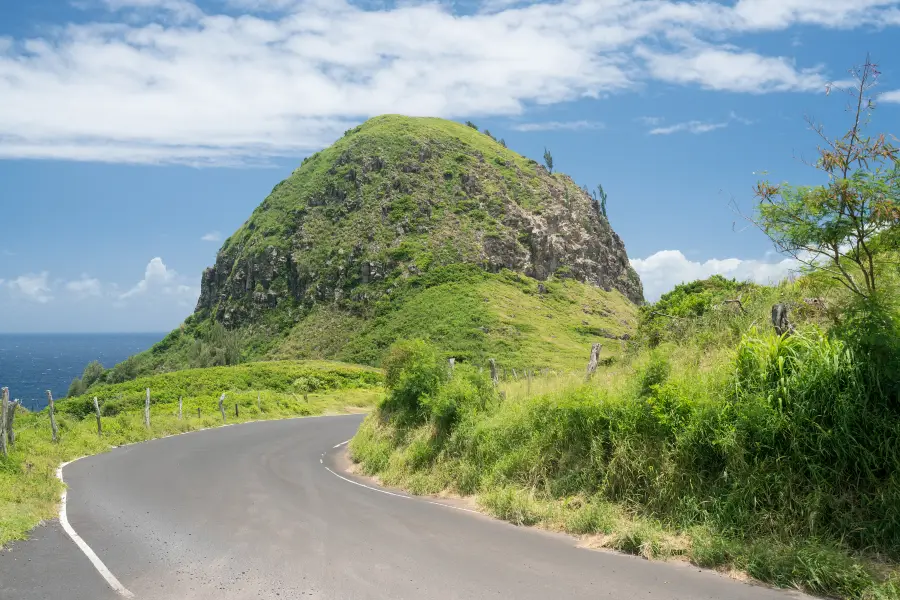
pixel 250 512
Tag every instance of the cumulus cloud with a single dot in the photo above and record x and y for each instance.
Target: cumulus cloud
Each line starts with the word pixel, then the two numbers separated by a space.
pixel 161 280
pixel 662 271
pixel 155 275
pixel 892 96
pixel 174 82
pixel 33 286
pixel 212 236
pixel 84 287
pixel 724 69
pixel 559 126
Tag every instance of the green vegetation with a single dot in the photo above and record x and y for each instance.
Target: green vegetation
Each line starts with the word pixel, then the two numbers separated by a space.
pixel 778 457
pixel 600 199
pixel 713 438
pixel 93 373
pixel 473 316
pixel 548 161
pixel 29 489
pixel 837 228
pixel 360 244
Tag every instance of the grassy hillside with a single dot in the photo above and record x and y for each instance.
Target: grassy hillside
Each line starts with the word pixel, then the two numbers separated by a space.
pixel 472 315
pixel 29 489
pixel 361 242
pixel 713 440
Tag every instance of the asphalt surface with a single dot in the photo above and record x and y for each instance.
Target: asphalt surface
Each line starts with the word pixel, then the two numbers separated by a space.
pixel 250 512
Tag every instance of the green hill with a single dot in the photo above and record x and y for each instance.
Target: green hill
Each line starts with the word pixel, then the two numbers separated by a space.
pixel 412 227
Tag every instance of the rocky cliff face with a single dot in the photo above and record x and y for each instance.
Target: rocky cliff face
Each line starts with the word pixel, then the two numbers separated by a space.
pixel 394 199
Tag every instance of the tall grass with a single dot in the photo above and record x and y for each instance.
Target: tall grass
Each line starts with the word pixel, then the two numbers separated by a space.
pixel 780 457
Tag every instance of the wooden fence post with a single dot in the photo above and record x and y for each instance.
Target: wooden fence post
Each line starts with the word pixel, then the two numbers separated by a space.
pixel 780 320
pixel 452 362
pixel 147 410
pixel 493 365
pixel 222 406
pixel 97 412
pixel 10 418
pixel 595 360
pixel 236 411
pixel 528 374
pixel 198 412
pixel 258 405
pixel 4 401
pixel 180 399
pixel 53 430
pixel 515 375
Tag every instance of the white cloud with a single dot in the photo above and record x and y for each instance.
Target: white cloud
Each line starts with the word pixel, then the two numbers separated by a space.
pixel 85 287
pixel 775 14
pixel 155 275
pixel 650 121
pixel 181 9
pixel 662 271
pixel 559 126
pixel 32 286
pixel 160 280
pixel 689 126
pixel 171 83
pixel 892 96
pixel 212 236
pixel 697 127
pixel 723 69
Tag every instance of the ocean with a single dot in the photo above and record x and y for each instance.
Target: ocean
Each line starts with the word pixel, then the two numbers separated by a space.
pixel 30 364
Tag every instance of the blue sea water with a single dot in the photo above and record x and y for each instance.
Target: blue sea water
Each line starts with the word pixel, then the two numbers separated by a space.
pixel 30 364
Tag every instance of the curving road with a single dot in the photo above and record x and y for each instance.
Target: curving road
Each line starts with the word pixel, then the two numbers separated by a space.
pixel 251 512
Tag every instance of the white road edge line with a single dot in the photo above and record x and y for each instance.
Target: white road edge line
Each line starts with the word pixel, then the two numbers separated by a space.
pixel 92 556
pixel 341 444
pixel 82 545
pixel 374 489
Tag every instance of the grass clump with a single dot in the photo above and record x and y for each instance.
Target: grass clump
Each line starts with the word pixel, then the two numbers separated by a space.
pixel 29 489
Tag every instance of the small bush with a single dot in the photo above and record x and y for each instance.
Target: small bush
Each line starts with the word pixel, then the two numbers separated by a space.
pixel 466 391
pixel 413 371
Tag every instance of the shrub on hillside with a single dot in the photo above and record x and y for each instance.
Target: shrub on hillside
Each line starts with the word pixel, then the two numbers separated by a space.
pixel 413 371
pixel 466 391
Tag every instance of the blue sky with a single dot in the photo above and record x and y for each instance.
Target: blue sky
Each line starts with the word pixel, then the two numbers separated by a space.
pixel 136 134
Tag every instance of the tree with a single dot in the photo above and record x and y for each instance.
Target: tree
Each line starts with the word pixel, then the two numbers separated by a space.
pixel 472 125
pixel 548 160
pixel 839 227
pixel 92 373
pixel 503 142
pixel 487 132
pixel 601 194
pixel 217 346
pixel 76 388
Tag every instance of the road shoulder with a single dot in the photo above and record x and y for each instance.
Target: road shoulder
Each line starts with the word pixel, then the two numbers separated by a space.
pixel 47 566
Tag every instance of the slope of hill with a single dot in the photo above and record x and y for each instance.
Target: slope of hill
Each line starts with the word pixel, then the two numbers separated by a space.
pixel 712 439
pixel 414 226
